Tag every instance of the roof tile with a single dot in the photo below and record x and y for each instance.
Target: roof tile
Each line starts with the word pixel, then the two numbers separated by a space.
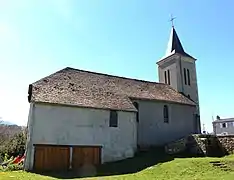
pixel 89 89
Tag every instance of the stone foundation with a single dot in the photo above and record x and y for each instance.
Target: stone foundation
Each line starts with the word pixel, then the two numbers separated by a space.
pixel 202 145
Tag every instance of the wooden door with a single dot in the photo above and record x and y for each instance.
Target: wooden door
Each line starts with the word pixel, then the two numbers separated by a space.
pixel 85 156
pixel 51 158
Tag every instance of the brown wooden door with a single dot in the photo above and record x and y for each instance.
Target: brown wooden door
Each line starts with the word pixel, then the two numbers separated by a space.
pixel 51 158
pixel 85 155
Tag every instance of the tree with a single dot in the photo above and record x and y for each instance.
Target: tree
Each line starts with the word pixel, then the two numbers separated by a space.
pixel 12 139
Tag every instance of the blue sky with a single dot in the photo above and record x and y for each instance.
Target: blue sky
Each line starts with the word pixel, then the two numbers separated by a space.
pixel 118 37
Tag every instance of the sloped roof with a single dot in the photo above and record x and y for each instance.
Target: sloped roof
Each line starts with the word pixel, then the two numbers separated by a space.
pixel 89 89
pixel 174 45
pixel 224 120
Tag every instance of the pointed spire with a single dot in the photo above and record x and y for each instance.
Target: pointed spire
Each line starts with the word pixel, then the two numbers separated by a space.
pixel 174 44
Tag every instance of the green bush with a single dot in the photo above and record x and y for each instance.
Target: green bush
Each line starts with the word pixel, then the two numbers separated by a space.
pixel 13 146
pixel 14 167
pixel 8 166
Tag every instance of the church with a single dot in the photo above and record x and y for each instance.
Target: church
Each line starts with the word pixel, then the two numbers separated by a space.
pixel 79 117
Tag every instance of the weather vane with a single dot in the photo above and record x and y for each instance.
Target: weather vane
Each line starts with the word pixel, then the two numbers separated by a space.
pixel 172 19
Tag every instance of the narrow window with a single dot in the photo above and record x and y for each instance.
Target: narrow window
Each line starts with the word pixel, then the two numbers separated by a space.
pixel 137 114
pixel 224 125
pixel 185 79
pixel 113 122
pixel 188 96
pixel 188 77
pixel 166 114
pixel 168 74
pixel 196 123
pixel 165 76
pixel 233 123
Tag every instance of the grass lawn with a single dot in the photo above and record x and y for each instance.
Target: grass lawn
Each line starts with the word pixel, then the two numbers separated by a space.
pixel 149 166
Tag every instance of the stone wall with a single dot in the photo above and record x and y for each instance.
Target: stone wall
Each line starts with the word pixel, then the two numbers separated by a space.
pixel 202 145
pixel 227 142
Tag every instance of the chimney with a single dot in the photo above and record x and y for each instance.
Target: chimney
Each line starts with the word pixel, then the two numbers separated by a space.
pixel 217 117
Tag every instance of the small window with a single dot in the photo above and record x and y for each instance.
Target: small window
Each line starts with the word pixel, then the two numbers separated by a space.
pixel 185 78
pixel 224 125
pixel 189 96
pixel 188 74
pixel 165 77
pixel 137 114
pixel 168 74
pixel 113 119
pixel 166 114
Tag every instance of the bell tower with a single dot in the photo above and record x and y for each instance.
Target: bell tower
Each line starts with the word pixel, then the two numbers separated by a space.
pixel 178 69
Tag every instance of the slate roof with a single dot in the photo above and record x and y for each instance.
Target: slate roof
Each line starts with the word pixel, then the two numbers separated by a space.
pixel 224 120
pixel 89 89
pixel 174 45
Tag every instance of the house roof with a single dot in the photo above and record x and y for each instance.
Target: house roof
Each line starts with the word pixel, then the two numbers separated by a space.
pixel 224 120
pixel 89 89
pixel 174 45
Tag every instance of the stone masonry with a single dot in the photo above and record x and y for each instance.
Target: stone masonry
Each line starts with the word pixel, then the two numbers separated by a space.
pixel 202 145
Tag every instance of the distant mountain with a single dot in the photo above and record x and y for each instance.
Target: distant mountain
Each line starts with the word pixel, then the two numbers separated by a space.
pixel 7 123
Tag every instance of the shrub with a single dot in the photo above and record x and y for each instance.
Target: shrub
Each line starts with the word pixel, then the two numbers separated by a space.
pixel 8 166
pixel 14 146
pixel 14 167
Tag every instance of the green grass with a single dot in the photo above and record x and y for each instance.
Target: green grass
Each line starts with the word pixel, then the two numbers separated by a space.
pixel 150 166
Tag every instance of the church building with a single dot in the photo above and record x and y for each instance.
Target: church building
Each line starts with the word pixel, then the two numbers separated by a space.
pixel 79 117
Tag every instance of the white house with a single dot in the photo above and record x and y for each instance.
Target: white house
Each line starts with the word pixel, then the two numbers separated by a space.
pixel 78 117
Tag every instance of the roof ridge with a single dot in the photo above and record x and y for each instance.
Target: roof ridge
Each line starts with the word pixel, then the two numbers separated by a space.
pixel 226 118
pixel 109 75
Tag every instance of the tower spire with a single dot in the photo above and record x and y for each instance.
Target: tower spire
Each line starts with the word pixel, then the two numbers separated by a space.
pixel 174 44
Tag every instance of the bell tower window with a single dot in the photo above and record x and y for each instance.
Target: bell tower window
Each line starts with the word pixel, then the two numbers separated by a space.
pixel 188 74
pixel 185 78
pixel 165 76
pixel 168 74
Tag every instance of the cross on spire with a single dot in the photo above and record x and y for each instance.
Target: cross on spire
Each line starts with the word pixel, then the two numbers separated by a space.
pixel 172 19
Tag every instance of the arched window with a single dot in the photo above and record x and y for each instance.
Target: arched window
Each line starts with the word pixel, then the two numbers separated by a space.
pixel 113 121
pixel 169 77
pixel 166 114
pixel 185 78
pixel 188 73
pixel 165 76
pixel 137 107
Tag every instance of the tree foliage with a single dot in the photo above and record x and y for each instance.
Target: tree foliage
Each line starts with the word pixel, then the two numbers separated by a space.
pixel 12 140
